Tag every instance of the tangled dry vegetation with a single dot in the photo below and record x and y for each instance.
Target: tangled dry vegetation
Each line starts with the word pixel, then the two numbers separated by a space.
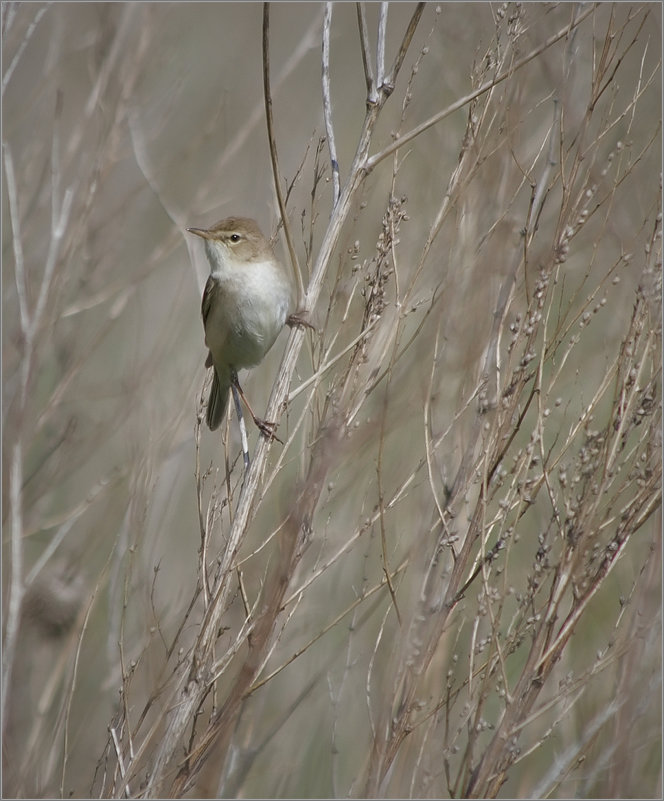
pixel 446 582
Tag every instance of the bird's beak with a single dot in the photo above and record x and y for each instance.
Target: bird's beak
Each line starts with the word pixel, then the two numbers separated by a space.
pixel 202 232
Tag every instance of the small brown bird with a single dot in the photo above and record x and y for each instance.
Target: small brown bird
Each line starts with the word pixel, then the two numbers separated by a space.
pixel 247 300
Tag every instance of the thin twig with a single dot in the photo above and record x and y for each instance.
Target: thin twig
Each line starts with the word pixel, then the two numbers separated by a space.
pixel 543 183
pixel 17 245
pixel 267 94
pixel 24 43
pixel 16 581
pixel 60 211
pixel 391 77
pixel 380 45
pixel 372 94
pixel 118 754
pixel 327 103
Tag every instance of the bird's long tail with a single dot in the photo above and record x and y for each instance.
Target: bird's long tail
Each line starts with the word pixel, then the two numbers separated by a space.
pixel 217 402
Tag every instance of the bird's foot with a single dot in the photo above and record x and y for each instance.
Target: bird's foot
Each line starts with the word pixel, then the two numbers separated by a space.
pixel 267 429
pixel 300 318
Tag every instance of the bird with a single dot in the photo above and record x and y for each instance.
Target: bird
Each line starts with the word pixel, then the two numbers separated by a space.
pixel 248 298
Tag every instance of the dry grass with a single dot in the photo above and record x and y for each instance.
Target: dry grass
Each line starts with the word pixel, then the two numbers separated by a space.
pixel 447 581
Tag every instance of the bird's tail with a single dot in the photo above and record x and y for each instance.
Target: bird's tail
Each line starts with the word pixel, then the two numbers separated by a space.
pixel 217 402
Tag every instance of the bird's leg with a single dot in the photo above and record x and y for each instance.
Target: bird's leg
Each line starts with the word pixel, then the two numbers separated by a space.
pixel 266 428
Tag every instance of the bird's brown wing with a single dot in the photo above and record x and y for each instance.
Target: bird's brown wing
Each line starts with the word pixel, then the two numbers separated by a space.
pixel 206 304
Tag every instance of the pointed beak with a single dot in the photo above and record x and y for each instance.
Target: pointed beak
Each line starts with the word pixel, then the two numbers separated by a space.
pixel 202 232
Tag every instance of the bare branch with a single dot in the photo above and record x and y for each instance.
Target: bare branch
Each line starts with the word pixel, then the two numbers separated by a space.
pixel 327 103
pixel 24 43
pixel 16 581
pixel 372 93
pixel 380 45
pixel 391 77
pixel 267 94
pixel 19 261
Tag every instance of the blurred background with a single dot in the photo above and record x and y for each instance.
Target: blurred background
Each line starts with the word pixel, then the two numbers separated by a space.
pixel 125 123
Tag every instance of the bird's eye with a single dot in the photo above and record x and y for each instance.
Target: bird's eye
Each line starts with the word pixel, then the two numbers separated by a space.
pixel 235 237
